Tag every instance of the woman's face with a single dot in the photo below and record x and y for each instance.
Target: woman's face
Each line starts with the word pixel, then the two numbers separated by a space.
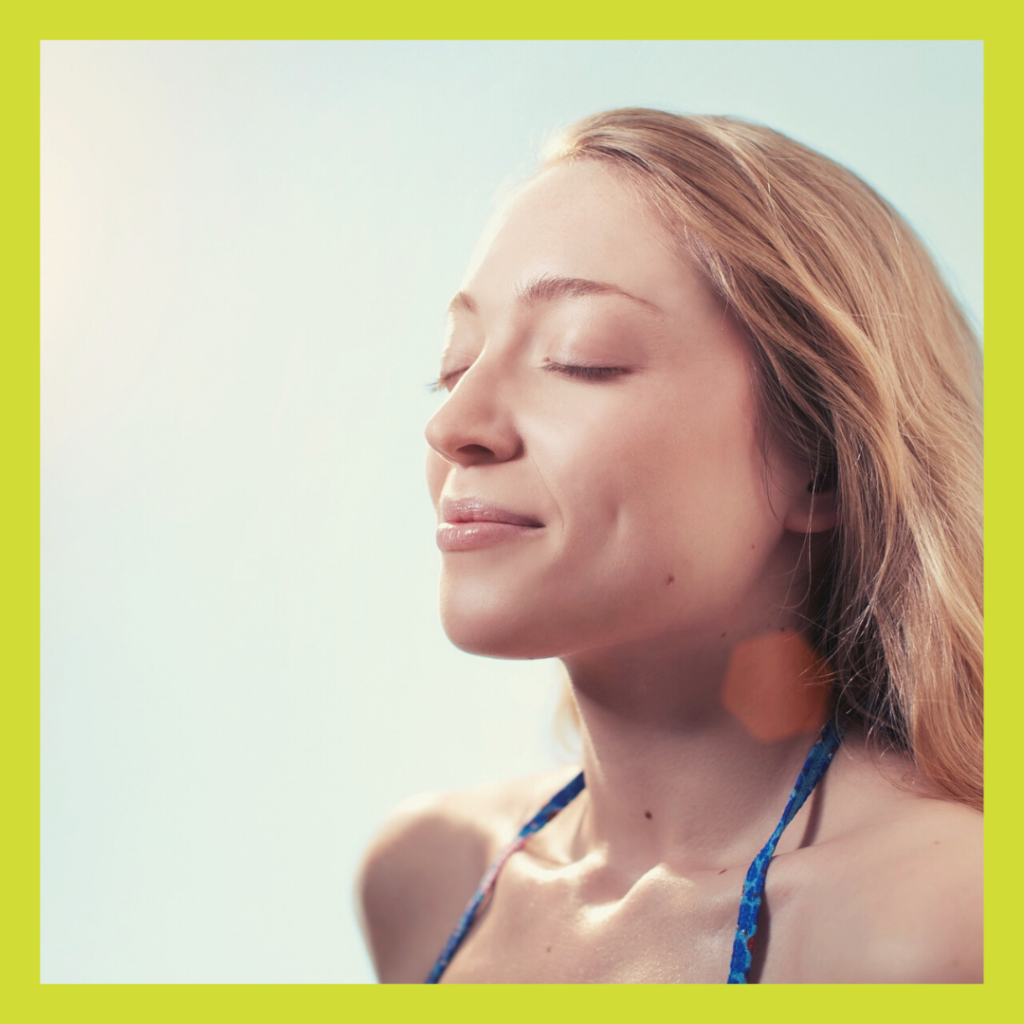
pixel 602 406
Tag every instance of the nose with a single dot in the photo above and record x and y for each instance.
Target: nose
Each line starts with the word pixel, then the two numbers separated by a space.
pixel 475 425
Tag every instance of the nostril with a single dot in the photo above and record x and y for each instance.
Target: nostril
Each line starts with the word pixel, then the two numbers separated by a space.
pixel 474 449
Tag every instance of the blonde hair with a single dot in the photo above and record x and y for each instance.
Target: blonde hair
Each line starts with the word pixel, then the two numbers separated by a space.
pixel 869 370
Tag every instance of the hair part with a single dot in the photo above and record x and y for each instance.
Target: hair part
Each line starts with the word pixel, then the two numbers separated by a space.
pixel 869 371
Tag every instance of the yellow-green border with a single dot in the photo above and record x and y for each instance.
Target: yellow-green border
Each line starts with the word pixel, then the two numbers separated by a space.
pixel 23 997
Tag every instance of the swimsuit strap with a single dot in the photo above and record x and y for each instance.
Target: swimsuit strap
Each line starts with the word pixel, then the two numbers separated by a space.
pixel 753 887
pixel 560 800
pixel 814 767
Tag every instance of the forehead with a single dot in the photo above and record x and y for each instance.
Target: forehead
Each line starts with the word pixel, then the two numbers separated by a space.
pixel 582 220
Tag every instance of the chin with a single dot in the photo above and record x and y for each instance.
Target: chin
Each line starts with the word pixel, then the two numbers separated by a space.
pixel 481 621
pixel 494 638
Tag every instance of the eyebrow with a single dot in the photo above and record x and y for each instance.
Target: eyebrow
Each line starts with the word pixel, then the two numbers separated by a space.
pixel 549 287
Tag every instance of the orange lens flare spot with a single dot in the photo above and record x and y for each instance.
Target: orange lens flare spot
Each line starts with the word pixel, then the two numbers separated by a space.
pixel 776 685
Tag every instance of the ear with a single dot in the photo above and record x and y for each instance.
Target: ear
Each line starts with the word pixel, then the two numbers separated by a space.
pixel 814 510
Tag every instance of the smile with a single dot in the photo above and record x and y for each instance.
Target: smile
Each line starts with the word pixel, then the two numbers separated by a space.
pixel 470 523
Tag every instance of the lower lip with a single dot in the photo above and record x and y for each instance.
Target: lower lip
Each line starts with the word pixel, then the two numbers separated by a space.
pixel 480 534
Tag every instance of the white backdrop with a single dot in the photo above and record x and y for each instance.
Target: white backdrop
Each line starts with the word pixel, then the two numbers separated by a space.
pixel 247 253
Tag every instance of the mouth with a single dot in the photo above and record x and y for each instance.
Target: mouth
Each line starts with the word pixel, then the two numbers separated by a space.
pixel 474 510
pixel 468 524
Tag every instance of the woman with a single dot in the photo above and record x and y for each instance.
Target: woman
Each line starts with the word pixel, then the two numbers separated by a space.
pixel 713 439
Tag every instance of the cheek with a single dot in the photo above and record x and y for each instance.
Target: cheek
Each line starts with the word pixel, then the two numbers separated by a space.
pixel 674 483
pixel 677 449
pixel 711 449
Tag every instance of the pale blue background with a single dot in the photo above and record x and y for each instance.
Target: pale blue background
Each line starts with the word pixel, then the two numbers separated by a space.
pixel 247 251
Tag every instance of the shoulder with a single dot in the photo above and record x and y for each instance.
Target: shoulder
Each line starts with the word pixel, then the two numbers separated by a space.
pixel 426 861
pixel 910 907
pixel 895 894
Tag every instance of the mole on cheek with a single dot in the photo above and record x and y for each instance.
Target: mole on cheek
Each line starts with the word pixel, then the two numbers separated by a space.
pixel 671 579
pixel 647 814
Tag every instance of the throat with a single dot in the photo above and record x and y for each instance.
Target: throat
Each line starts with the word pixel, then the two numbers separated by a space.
pixel 700 800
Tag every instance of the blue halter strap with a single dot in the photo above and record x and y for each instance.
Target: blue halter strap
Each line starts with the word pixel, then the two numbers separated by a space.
pixel 814 767
pixel 818 760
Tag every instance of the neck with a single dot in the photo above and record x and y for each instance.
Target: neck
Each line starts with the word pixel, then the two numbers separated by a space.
pixel 690 754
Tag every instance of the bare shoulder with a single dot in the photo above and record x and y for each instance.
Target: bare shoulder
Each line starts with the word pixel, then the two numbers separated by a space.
pixel 426 861
pixel 895 893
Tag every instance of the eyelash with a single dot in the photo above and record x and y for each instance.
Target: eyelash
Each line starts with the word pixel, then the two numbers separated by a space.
pixel 444 382
pixel 580 372
pixel 585 372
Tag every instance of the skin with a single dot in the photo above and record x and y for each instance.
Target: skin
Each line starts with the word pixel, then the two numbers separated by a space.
pixel 670 576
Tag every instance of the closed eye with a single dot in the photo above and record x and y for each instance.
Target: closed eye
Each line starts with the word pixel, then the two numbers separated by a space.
pixel 584 372
pixel 580 371
pixel 447 380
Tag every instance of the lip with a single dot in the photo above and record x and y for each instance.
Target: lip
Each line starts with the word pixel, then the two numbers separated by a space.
pixel 470 523
pixel 474 510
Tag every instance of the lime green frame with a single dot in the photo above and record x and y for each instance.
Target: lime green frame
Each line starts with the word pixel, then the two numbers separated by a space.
pixel 24 998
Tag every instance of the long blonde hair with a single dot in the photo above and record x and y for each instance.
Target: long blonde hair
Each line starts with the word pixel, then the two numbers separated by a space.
pixel 869 370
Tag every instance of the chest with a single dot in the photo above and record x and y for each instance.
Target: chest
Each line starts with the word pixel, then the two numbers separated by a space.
pixel 558 926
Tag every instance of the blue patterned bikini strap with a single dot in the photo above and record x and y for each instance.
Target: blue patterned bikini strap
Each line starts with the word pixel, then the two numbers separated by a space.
pixel 558 802
pixel 814 767
pixel 753 886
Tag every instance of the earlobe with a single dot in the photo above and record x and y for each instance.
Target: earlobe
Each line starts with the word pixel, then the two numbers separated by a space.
pixel 816 510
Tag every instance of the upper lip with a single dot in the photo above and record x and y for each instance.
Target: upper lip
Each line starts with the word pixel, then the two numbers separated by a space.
pixel 472 510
